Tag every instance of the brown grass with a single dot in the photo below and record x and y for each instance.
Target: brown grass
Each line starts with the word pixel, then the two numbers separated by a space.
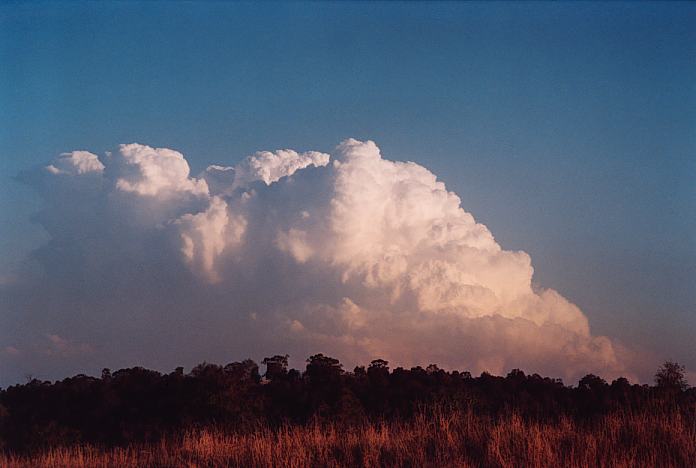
pixel 444 439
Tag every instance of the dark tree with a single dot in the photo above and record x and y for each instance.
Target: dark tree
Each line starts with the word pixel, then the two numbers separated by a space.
pixel 671 376
pixel 276 366
pixel 592 382
pixel 137 404
pixel 322 369
pixel 379 364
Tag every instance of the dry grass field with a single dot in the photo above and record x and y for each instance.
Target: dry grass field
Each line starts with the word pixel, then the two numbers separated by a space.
pixel 444 439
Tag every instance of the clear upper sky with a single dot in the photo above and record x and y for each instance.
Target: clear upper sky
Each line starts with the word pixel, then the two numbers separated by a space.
pixel 568 129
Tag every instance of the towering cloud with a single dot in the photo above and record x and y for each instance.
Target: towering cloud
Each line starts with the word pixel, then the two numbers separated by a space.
pixel 76 162
pixel 155 172
pixel 351 254
pixel 208 235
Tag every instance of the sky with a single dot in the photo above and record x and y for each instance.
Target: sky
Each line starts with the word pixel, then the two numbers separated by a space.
pixel 568 130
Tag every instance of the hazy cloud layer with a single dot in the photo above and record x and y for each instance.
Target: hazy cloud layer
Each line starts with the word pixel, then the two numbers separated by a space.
pixel 351 254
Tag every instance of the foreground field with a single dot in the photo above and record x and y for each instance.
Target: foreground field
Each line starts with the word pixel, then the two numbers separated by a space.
pixel 442 439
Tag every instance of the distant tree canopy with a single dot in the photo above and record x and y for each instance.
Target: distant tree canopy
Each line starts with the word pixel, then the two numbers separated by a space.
pixel 276 366
pixel 138 404
pixel 671 376
pixel 592 382
pixel 323 369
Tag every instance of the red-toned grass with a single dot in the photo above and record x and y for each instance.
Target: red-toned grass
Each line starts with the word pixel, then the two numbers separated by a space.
pixel 443 439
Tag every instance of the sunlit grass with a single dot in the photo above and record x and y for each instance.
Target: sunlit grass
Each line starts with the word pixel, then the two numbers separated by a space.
pixel 443 439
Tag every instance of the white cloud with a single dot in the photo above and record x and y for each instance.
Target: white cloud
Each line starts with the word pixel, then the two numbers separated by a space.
pixel 155 171
pixel 362 258
pixel 76 163
pixel 295 242
pixel 270 167
pixel 206 235
pixel 264 166
pixel 416 262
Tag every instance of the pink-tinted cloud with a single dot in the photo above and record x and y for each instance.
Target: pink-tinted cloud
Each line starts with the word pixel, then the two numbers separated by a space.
pixel 352 254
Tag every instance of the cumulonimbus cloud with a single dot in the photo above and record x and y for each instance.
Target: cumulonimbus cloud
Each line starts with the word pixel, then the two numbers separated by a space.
pixel 350 254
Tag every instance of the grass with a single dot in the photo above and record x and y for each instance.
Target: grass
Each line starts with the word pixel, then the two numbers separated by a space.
pixel 443 439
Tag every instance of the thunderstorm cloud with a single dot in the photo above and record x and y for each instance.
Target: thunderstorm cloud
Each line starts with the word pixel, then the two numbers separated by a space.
pixel 349 254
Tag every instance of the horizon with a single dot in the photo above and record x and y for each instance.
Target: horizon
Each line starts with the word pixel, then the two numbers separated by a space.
pixel 359 368
pixel 480 186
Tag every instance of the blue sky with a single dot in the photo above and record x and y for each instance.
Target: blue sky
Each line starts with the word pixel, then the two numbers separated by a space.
pixel 568 129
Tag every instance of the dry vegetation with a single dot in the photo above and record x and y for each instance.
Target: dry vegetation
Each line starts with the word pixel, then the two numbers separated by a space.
pixel 444 439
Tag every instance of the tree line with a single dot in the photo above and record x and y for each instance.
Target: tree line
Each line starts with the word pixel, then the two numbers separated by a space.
pixel 138 405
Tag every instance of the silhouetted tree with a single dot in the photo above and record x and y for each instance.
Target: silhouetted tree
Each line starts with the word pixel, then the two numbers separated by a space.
pixel 141 405
pixel 323 369
pixel 671 376
pixel 379 364
pixel 592 382
pixel 516 375
pixel 276 366
pixel 378 372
